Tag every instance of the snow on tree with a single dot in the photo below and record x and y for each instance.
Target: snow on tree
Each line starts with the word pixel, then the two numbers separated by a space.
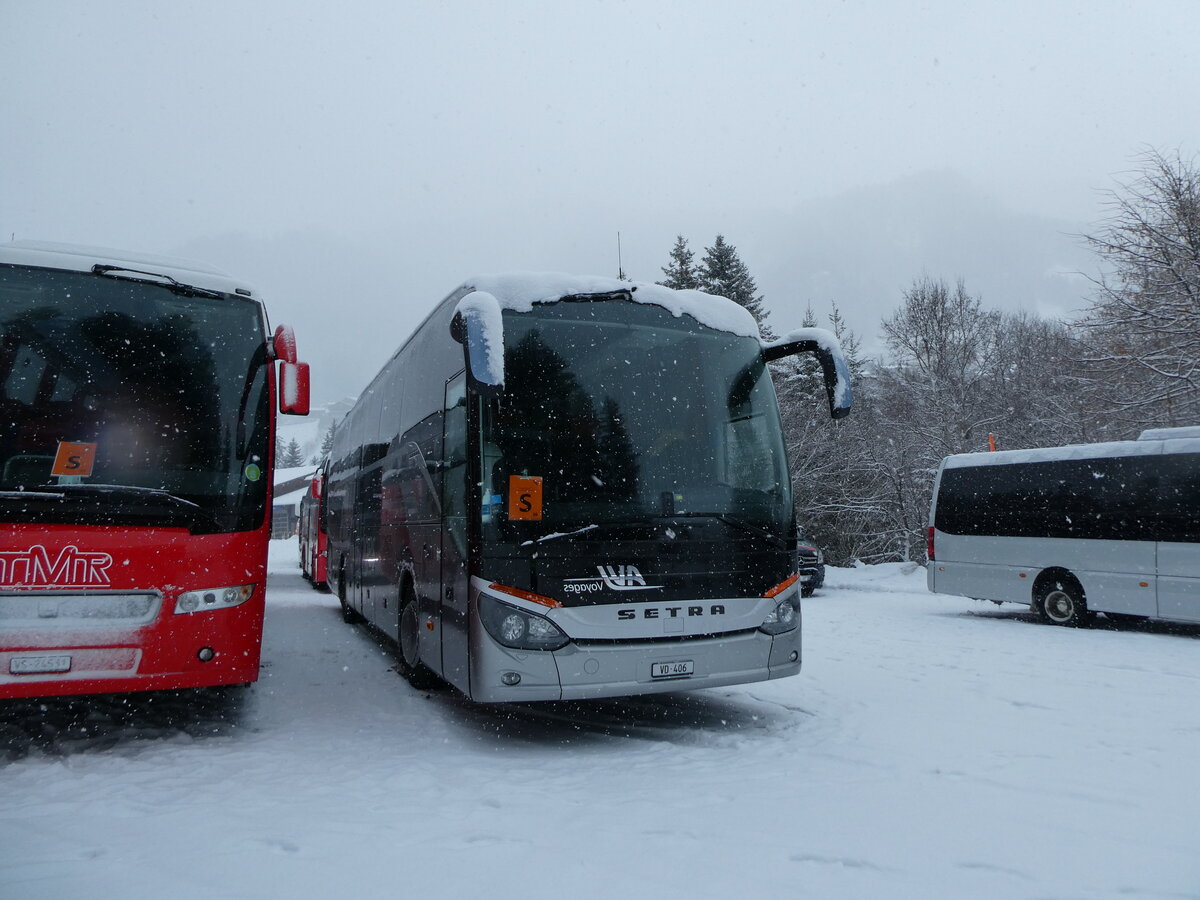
pixel 833 465
pixel 1144 322
pixel 326 443
pixel 680 272
pixel 722 272
pixel 291 455
pixel 954 372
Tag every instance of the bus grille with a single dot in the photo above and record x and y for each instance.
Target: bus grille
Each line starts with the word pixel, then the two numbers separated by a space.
pixel 63 609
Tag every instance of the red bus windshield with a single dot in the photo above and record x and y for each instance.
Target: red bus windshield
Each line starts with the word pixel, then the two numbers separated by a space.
pixel 130 403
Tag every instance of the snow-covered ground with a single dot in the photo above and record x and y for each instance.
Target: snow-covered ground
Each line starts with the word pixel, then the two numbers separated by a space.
pixel 931 747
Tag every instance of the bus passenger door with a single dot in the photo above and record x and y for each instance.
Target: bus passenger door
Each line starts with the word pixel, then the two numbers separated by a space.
pixel 455 494
pixel 1179 557
pixel 1179 581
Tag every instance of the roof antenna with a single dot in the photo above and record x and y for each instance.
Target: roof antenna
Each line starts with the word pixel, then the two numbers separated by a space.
pixel 620 269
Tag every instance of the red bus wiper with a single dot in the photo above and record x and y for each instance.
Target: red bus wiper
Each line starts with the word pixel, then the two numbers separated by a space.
pixel 171 284
pixel 119 493
pixel 116 490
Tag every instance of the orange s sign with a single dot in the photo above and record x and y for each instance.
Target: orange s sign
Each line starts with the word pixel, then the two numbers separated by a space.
pixel 524 498
pixel 74 459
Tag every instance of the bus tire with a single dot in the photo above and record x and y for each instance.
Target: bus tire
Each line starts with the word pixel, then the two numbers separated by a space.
pixel 1060 601
pixel 408 636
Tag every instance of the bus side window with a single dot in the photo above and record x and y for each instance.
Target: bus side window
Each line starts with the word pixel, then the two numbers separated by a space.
pixel 454 455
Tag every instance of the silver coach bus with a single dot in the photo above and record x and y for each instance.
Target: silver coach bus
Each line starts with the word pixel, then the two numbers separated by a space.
pixel 1112 528
pixel 566 487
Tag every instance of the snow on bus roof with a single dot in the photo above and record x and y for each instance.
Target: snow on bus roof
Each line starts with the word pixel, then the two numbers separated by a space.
pixel 1184 432
pixel 1052 454
pixel 519 291
pixel 80 258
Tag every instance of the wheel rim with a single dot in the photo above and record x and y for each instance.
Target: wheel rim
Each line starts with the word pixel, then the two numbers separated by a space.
pixel 1060 606
pixel 408 633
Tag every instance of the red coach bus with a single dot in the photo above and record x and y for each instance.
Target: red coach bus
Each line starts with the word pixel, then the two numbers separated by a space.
pixel 137 420
pixel 313 551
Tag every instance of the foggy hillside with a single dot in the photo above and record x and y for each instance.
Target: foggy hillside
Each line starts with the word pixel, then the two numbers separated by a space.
pixel 354 299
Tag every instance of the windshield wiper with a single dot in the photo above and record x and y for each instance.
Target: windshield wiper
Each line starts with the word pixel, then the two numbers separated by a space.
pixel 555 535
pixel 119 492
pixel 125 490
pixel 623 525
pixel 158 278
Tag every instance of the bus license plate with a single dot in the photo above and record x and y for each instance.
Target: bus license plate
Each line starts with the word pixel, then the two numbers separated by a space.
pixel 38 665
pixel 672 669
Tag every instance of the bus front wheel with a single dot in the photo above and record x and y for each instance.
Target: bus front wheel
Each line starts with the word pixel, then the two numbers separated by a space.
pixel 1062 603
pixel 410 666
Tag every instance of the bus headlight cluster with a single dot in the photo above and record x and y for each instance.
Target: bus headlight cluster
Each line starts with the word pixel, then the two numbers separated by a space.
pixel 517 628
pixel 784 617
pixel 213 598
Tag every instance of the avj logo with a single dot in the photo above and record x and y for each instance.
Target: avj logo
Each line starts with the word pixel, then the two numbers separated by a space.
pixel 625 578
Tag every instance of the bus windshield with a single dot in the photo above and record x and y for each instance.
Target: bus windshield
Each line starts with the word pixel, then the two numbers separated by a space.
pixel 130 403
pixel 630 414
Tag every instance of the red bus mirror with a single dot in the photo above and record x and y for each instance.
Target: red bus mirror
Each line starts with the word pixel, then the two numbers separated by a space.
pixel 293 388
pixel 284 343
pixel 316 488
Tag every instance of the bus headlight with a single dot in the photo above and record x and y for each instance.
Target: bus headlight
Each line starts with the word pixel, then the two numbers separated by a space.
pixel 784 617
pixel 517 628
pixel 213 598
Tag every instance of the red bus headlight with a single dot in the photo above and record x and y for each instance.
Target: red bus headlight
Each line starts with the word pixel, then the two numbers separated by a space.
pixel 204 599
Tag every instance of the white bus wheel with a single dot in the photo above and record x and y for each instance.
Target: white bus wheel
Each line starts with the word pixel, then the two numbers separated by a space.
pixel 1063 604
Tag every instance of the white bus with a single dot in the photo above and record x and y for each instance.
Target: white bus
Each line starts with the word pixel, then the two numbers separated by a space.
pixel 1112 528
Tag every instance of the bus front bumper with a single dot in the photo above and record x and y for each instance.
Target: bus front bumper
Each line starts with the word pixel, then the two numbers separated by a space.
pixel 584 671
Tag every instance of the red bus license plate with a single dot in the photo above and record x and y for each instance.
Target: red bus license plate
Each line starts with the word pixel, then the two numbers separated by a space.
pixel 38 665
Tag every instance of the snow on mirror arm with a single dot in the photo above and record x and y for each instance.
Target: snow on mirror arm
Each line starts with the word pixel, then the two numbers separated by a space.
pixel 479 327
pixel 828 350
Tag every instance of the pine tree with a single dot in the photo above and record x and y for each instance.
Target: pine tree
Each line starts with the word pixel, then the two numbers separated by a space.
pixel 326 443
pixel 722 272
pixel 681 273
pixel 846 337
pixel 291 456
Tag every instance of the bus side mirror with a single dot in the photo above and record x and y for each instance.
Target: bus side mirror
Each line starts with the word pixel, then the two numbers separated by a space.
pixel 828 350
pixel 284 343
pixel 293 388
pixel 316 488
pixel 479 327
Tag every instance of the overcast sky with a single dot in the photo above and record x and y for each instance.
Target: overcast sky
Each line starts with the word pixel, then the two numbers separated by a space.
pixel 380 152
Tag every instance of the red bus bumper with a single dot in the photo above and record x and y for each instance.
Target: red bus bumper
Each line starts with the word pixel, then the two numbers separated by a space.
pixel 95 610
